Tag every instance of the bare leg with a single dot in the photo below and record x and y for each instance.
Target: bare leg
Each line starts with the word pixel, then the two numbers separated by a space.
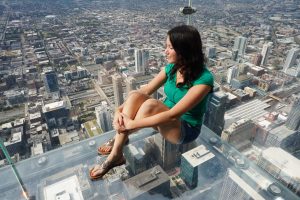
pixel 149 107
pixel 169 130
pixel 131 107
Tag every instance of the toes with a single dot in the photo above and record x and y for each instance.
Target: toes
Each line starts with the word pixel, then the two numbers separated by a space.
pixel 95 170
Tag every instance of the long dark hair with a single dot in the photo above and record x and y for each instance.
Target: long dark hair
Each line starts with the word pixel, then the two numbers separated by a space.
pixel 187 44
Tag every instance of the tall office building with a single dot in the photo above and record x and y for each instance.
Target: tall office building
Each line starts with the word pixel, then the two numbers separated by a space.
pixel 214 116
pixel 281 165
pixel 141 60
pixel 131 84
pixel 281 136
pixel 135 157
pixel 210 52
pixel 265 53
pixel 235 188
pixel 240 134
pixel 235 54
pixel 152 181
pixel 240 45
pixel 56 114
pixel 290 62
pixel 76 73
pixel 103 116
pixel 168 153
pixel 189 164
pixel 293 120
pixel 257 59
pixel 51 83
pixel 291 58
pixel 232 73
pixel 118 90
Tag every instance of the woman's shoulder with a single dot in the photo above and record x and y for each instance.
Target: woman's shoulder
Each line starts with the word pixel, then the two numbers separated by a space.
pixel 168 68
pixel 206 77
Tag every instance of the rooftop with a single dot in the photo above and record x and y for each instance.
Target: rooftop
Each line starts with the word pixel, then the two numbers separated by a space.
pixel 198 155
pixel 251 110
pixel 145 181
pixel 289 165
pixel 53 106
pixel 16 137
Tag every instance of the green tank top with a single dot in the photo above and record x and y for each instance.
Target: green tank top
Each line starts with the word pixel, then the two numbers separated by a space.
pixel 174 94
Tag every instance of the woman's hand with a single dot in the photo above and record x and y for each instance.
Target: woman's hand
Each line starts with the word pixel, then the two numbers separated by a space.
pixel 127 122
pixel 118 123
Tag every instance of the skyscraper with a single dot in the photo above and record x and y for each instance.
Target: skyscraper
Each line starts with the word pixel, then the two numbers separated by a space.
pixel 293 120
pixel 214 116
pixel 56 114
pixel 153 181
pixel 103 116
pixel 265 53
pixel 235 53
pixel 290 61
pixel 135 156
pixel 130 84
pixel 257 59
pixel 232 73
pixel 141 60
pixel 168 152
pixel 211 52
pixel 190 162
pixel 50 81
pixel 240 45
pixel 235 188
pixel 118 90
pixel 281 165
pixel 291 58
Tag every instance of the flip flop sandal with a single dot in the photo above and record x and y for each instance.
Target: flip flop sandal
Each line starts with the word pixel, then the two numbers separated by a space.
pixel 106 148
pixel 106 166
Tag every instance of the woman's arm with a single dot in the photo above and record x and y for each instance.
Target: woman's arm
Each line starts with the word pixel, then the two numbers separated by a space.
pixel 191 99
pixel 155 83
pixel 152 86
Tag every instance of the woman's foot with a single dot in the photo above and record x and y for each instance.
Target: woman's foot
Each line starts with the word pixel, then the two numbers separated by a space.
pixel 106 148
pixel 99 171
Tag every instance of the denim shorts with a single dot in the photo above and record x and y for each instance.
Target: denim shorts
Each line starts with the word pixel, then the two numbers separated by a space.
pixel 188 133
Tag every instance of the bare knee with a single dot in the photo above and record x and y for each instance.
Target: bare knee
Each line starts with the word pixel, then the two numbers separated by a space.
pixel 151 106
pixel 134 95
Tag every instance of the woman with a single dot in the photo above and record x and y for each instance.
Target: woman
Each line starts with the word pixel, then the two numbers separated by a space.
pixel 186 85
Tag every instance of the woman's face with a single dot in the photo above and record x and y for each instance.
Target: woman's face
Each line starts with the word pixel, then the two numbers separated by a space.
pixel 170 52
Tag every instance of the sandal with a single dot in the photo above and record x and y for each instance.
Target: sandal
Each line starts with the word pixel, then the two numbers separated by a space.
pixel 106 148
pixel 106 166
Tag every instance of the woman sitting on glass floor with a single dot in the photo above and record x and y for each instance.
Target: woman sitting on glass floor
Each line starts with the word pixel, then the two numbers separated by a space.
pixel 178 119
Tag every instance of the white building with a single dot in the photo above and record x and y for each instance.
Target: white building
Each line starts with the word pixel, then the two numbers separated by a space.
pixel 141 60
pixel 118 90
pixel 232 73
pixel 290 66
pixel 240 45
pixel 282 165
pixel 103 116
pixel 265 53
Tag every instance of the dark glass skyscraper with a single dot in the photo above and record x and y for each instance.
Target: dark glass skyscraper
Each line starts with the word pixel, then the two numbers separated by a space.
pixel 50 81
pixel 214 117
